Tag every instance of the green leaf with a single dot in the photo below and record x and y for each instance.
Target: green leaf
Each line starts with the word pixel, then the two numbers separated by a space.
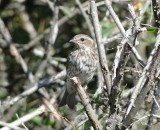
pixel 107 27
pixel 37 120
pixel 152 29
pixel 79 107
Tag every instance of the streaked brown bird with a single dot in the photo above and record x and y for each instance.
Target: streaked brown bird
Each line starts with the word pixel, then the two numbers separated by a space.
pixel 82 62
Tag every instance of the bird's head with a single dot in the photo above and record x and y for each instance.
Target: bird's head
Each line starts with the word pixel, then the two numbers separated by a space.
pixel 82 41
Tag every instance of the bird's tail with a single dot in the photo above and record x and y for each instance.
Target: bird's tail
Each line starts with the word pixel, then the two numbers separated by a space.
pixel 68 99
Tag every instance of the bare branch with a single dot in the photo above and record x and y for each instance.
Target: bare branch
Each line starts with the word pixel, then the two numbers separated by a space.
pixel 144 84
pixel 100 46
pixel 121 59
pixel 85 100
pixel 122 30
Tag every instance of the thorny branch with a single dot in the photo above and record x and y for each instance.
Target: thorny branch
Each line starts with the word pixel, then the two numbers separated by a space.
pixel 144 84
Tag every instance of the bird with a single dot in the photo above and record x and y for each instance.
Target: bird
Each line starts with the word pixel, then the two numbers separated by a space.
pixel 82 62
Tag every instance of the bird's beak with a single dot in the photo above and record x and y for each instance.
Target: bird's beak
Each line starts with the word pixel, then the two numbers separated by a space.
pixel 72 41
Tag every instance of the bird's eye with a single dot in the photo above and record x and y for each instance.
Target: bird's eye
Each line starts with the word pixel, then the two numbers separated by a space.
pixel 82 39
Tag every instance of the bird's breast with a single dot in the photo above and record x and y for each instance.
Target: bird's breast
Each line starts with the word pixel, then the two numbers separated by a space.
pixel 81 64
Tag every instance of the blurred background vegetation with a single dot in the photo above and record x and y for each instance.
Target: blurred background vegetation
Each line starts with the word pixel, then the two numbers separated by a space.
pixel 27 20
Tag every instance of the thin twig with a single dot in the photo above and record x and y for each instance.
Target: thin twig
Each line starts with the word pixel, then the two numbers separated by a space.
pixel 88 22
pixel 22 123
pixel 155 106
pixel 10 126
pixel 121 28
pixel 26 118
pixel 107 40
pixel 27 24
pixel 52 110
pixel 35 87
pixel 78 121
